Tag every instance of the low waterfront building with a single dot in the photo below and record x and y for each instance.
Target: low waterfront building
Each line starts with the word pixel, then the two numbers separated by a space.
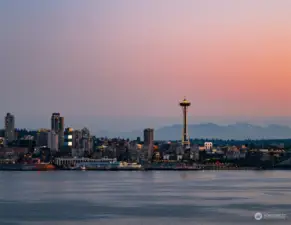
pixel 73 161
pixel 12 152
pixel 7 161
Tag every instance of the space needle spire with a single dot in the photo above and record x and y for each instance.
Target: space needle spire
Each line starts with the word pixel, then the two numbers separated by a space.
pixel 185 136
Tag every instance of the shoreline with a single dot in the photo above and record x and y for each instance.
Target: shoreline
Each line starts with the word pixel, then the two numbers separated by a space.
pixel 155 169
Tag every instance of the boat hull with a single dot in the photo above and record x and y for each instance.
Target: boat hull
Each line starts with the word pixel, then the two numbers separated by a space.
pixel 27 167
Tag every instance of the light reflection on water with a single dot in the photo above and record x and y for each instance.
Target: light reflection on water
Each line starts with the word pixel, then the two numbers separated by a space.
pixel 163 197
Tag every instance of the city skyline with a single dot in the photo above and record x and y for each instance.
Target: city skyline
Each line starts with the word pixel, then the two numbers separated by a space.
pixel 128 124
pixel 137 59
pixel 145 111
pixel 170 131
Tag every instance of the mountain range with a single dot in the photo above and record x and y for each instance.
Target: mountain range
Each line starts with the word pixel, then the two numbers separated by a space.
pixel 237 131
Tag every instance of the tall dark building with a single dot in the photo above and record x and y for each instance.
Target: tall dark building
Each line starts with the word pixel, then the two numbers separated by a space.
pixel 87 142
pixel 149 141
pixel 148 136
pixel 61 131
pixel 55 121
pixel 57 125
pixel 9 127
pixel 77 139
pixel 68 141
pixel 42 137
pixel 68 137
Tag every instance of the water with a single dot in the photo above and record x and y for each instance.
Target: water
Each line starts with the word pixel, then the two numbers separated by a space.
pixel 140 198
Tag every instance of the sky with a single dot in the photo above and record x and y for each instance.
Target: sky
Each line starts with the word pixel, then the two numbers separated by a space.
pixel 109 61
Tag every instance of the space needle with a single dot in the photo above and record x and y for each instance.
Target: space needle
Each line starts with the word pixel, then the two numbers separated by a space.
pixel 185 136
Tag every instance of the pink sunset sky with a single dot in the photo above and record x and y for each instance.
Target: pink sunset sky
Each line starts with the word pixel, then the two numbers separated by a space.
pixel 139 58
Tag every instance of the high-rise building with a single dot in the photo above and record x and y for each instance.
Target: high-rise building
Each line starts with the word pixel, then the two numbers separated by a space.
pixel 57 125
pixel 9 127
pixel 55 121
pixel 149 141
pixel 68 138
pixel 42 137
pixel 53 140
pixel 68 148
pixel 148 135
pixel 61 131
pixel 77 139
pixel 87 141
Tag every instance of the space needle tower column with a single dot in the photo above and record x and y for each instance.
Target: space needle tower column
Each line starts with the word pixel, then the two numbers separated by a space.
pixel 185 137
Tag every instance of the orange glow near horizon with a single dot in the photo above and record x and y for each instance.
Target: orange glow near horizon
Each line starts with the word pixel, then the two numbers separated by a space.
pixel 230 58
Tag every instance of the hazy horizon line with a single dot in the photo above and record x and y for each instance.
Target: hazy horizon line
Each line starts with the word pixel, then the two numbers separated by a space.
pixel 167 126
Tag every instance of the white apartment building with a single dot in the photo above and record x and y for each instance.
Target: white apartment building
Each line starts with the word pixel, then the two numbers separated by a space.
pixel 208 145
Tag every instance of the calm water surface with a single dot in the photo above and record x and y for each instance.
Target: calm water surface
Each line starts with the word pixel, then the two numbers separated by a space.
pixel 125 198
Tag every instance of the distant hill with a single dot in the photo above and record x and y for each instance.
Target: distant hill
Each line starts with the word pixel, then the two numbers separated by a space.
pixel 238 131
